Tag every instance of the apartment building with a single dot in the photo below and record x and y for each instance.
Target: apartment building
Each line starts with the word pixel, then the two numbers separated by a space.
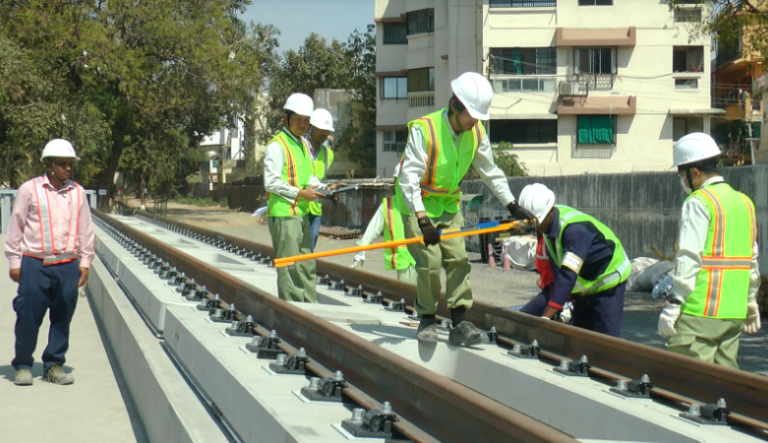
pixel 581 85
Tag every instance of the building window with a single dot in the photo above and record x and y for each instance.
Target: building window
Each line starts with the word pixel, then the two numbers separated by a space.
pixel 394 87
pixel 421 21
pixel 686 125
pixel 687 15
pixel 534 84
pixel 596 67
pixel 522 3
pixel 394 141
pixel 524 61
pixel 596 60
pixel 523 131
pixel 395 34
pixel 421 80
pixel 596 129
pixel 688 59
pixel 595 2
pixel 686 83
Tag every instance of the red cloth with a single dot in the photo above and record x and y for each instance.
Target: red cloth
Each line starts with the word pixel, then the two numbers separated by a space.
pixel 546 276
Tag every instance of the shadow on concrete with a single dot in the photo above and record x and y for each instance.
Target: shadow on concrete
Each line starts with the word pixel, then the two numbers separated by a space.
pixel 7 371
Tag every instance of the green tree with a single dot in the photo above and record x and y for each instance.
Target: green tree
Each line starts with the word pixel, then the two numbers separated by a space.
pixel 357 135
pixel 315 65
pixel 110 73
pixel 731 20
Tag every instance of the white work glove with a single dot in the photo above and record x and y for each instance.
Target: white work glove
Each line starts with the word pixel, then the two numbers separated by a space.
pixel 667 320
pixel 359 260
pixel 752 323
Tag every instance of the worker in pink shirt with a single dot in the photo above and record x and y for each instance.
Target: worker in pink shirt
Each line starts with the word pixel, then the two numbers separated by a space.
pixel 50 247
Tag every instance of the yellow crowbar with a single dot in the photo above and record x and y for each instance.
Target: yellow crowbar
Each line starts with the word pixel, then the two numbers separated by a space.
pixel 481 228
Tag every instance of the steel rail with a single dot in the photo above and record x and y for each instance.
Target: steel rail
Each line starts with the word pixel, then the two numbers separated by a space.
pixel 435 406
pixel 675 378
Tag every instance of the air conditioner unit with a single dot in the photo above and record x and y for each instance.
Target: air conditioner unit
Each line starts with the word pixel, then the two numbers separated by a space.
pixel 569 88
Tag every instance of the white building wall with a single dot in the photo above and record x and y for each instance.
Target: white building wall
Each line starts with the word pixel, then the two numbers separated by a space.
pixel 466 30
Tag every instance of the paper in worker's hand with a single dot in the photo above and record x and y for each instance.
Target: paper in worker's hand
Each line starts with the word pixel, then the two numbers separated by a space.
pixel 259 211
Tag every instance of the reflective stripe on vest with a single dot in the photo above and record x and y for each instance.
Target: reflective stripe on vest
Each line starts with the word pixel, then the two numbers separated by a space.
pixel 47 234
pixel 727 255
pixel 324 156
pixel 446 165
pixel 399 257
pixel 618 269
pixel 296 172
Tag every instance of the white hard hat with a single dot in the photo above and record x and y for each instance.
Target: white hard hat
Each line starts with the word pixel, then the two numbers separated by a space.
pixel 322 119
pixel 58 147
pixel 695 147
pixel 475 92
pixel 300 103
pixel 537 199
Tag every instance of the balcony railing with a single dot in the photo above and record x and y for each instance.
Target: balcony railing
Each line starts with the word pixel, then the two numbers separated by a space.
pixel 421 99
pixel 596 82
pixel 728 56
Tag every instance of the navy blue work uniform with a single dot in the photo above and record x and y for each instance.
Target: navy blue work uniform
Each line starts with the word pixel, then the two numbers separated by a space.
pixel 600 312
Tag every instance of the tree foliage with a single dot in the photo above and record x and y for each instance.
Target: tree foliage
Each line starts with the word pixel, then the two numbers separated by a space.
pixel 731 20
pixel 134 85
pixel 319 64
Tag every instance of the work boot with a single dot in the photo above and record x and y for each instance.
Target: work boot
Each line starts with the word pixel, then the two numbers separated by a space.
pixel 56 375
pixel 23 377
pixel 427 332
pixel 466 334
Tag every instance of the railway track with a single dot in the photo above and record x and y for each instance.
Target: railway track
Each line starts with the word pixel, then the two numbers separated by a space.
pixel 425 403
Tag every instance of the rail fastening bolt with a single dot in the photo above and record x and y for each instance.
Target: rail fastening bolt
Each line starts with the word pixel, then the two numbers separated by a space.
pixel 535 343
pixel 694 409
pixel 645 379
pixel 314 382
pixel 302 352
pixel 621 384
pixel 273 334
pixel 357 415
pixel 721 403
pixel 386 408
pixel 280 359
pixel 583 359
pixel 563 364
pixel 338 376
pixel 516 349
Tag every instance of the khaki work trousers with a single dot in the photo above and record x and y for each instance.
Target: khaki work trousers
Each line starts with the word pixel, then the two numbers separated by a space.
pixel 707 339
pixel 292 236
pixel 450 254
pixel 407 275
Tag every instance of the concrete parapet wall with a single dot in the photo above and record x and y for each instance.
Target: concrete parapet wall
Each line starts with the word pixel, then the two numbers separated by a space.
pixel 643 208
pixel 170 410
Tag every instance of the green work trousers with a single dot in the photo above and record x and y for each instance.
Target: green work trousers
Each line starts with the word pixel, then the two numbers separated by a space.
pixel 450 254
pixel 407 275
pixel 708 339
pixel 292 236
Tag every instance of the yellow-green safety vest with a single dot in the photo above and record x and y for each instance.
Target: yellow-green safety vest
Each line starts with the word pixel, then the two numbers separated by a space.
pixel 394 258
pixel 722 284
pixel 297 168
pixel 320 166
pixel 618 269
pixel 446 165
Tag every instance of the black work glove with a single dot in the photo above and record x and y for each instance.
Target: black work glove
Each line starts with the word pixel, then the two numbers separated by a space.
pixel 430 232
pixel 518 213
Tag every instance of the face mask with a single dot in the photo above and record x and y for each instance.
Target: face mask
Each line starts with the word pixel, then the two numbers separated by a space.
pixel 685 187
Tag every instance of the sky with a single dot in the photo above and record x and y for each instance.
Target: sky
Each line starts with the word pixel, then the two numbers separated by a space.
pixel 297 19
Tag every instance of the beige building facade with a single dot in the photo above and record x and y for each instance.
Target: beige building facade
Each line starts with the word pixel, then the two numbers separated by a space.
pixel 580 85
